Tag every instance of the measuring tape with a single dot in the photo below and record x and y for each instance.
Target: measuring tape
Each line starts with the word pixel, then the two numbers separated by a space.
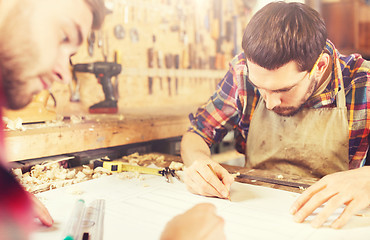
pixel 118 166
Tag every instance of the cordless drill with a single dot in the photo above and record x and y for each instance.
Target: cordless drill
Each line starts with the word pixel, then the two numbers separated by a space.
pixel 103 71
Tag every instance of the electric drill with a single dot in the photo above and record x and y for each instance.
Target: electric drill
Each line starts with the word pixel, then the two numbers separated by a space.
pixel 103 71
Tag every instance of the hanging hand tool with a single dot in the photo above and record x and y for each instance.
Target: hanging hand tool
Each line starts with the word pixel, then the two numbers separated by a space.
pixel 177 65
pixel 169 63
pixel 75 91
pixel 91 41
pixel 160 65
pixel 103 71
pixel 119 31
pixel 150 65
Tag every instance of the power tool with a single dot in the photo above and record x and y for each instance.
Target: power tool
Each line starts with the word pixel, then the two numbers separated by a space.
pixel 103 71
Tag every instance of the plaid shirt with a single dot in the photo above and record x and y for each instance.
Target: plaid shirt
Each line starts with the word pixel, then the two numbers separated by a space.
pixel 235 99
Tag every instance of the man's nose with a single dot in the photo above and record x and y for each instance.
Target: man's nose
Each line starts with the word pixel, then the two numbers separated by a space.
pixel 62 70
pixel 272 100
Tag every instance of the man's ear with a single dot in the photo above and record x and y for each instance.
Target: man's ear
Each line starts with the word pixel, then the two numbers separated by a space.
pixel 323 64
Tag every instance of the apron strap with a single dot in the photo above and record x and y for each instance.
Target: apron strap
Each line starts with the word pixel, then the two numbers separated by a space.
pixel 341 98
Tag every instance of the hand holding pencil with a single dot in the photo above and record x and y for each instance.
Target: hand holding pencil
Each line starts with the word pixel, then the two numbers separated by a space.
pixel 208 178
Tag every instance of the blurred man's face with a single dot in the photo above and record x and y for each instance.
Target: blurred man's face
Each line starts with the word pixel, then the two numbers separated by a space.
pixel 37 40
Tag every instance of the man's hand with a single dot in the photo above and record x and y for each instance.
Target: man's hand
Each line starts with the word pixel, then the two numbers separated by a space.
pixel 41 212
pixel 198 223
pixel 201 180
pixel 351 188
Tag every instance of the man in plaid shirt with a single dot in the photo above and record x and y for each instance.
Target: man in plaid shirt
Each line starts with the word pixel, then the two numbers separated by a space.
pixel 301 108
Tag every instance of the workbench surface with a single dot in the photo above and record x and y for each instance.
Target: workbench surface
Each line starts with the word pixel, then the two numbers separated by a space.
pixel 87 132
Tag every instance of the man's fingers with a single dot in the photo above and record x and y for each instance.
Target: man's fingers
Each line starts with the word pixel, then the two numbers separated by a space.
pixel 209 179
pixel 333 204
pixel 313 203
pixel 41 212
pixel 217 231
pixel 213 179
pixel 305 197
pixel 227 178
pixel 196 188
pixel 209 184
pixel 352 207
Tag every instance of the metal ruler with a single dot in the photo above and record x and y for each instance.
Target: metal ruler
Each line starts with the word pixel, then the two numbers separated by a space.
pixel 274 181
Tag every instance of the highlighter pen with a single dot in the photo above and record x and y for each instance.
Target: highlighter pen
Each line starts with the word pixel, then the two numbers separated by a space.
pixel 210 167
pixel 73 227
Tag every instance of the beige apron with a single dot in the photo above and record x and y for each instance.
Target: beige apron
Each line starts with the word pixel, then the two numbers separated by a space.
pixel 312 143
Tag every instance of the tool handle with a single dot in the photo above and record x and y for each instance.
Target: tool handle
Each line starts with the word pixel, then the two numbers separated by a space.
pixel 150 57
pixel 108 90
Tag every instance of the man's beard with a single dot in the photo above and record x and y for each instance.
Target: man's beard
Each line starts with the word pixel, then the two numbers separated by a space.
pixel 287 111
pixel 14 93
pixel 291 111
pixel 17 54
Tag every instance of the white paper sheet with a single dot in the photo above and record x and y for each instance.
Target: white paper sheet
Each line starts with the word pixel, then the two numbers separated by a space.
pixel 139 209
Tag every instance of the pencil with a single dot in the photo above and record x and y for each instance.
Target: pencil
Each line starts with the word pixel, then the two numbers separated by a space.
pixel 210 167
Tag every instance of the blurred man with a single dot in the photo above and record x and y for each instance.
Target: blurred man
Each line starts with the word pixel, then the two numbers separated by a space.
pixel 301 108
pixel 37 39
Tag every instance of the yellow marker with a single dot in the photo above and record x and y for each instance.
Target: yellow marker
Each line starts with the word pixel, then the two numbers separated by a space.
pixel 210 167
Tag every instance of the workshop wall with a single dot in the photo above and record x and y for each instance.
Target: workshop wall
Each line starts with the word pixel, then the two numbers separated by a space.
pixel 183 45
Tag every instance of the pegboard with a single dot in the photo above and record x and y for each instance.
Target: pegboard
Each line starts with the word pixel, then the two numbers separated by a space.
pixel 201 36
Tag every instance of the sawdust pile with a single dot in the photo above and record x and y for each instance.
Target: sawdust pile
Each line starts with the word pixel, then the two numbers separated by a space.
pixel 50 175
pixel 145 160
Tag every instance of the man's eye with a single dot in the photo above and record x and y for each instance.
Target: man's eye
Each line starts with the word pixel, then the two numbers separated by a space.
pixel 65 38
pixel 283 91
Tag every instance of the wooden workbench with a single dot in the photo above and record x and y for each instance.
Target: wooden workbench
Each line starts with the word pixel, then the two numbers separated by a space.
pixel 95 132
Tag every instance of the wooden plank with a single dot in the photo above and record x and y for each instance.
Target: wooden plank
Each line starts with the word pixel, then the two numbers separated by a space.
pixel 42 140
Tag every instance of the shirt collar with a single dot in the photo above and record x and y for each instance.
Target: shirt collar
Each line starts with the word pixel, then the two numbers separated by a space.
pixel 328 96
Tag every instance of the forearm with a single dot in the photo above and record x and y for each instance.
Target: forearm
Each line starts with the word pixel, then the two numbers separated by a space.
pixel 194 148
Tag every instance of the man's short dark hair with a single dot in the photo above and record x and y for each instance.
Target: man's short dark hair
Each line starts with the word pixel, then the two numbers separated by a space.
pixel 283 32
pixel 98 11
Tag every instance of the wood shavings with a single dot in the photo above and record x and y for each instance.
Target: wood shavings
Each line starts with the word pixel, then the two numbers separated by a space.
pixel 302 188
pixel 51 175
pixel 15 124
pixel 80 175
pixel 101 170
pixel 76 119
pixel 235 174
pixel 87 170
pixel 280 176
pixel 71 174
pixel 144 160
pixel 176 166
